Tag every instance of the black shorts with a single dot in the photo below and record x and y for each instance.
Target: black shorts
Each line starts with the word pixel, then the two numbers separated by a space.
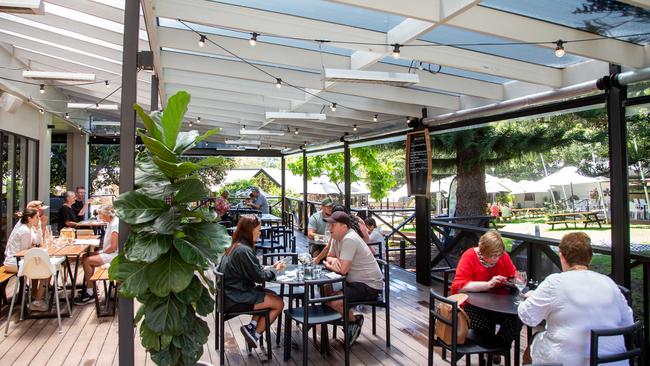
pixel 359 292
pixel 243 307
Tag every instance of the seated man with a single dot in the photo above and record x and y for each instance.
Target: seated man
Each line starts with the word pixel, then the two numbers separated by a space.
pixel 259 201
pixel 105 213
pixel 350 256
pixel 317 225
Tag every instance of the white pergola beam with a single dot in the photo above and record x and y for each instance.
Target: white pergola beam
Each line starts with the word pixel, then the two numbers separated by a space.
pixel 97 9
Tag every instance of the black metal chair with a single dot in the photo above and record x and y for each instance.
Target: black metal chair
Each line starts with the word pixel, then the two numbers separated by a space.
pixel 380 249
pixel 382 302
pixel 627 294
pixel 221 316
pixel 633 344
pixel 475 343
pixel 314 311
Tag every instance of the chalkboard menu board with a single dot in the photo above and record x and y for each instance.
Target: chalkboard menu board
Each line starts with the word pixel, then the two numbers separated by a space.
pixel 418 163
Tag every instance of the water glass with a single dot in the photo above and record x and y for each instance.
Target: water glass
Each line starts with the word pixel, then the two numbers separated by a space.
pixel 520 280
pixel 300 271
pixel 317 271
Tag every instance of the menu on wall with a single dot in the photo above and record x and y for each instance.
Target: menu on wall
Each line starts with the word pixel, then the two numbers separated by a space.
pixel 418 163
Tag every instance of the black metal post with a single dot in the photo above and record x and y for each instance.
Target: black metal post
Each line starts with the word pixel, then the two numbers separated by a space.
pixel 618 182
pixel 346 171
pixel 422 240
pixel 283 194
pixel 154 93
pixel 127 155
pixel 305 208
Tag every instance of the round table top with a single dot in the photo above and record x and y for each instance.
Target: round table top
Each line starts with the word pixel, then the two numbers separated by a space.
pixel 501 300
pixel 288 277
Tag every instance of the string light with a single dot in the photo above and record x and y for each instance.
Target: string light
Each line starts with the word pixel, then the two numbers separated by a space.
pixel 190 123
pixel 559 48
pixel 42 89
pixel 374 118
pixel 107 84
pixel 96 105
pixel 243 127
pixel 253 40
pixel 198 119
pixel 354 128
pixel 202 40
pixel 408 119
pixel 67 115
pixel 296 131
pixel 41 111
pixel 333 107
pixel 278 83
pixel 396 47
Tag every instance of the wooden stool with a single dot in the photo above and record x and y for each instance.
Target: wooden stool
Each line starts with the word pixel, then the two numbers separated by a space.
pixel 110 292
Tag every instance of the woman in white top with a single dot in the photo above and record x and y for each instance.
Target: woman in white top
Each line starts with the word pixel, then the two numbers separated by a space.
pixel 573 303
pixel 22 237
pixel 105 213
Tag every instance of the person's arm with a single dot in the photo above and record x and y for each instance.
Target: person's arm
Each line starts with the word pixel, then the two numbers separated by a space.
pixel 84 208
pixel 479 286
pixel 25 240
pixel 252 268
pixel 113 245
pixel 323 253
pixel 538 303
pixel 344 266
pixel 364 230
pixel 310 233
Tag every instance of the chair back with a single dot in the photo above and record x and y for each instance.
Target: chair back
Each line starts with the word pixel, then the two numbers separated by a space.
pixel 446 284
pixel 385 270
pixel 633 344
pixel 219 288
pixel 310 298
pixel 281 255
pixel 380 251
pixel 445 311
pixel 36 265
pixel 626 294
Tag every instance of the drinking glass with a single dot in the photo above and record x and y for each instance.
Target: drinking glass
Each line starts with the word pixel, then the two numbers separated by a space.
pixel 520 282
pixel 317 271
pixel 300 271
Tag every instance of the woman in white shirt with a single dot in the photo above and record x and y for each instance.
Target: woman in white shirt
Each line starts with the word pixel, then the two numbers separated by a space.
pixel 105 213
pixel 573 303
pixel 21 238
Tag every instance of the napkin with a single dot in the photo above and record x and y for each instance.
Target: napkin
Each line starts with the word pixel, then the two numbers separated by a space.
pixel 332 275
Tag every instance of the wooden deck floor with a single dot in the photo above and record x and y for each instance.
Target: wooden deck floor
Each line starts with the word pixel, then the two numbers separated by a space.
pixel 88 340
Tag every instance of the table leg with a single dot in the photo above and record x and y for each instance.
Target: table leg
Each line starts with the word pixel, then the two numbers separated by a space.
pixel 517 343
pixel 73 276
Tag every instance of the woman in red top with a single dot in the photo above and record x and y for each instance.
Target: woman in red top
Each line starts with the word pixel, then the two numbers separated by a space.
pixel 480 269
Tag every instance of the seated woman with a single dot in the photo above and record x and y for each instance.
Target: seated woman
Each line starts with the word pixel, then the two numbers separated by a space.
pixel 573 303
pixel 67 215
pixel 241 271
pixel 22 237
pixel 480 269
pixel 106 213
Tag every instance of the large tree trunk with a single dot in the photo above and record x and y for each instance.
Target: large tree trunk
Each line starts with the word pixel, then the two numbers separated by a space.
pixel 471 197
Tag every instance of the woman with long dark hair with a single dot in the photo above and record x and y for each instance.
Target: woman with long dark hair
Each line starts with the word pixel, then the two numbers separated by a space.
pixel 241 272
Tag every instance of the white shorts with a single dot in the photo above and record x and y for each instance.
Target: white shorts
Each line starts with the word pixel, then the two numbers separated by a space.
pixel 107 257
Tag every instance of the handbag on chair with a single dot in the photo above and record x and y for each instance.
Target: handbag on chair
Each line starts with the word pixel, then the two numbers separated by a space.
pixel 443 331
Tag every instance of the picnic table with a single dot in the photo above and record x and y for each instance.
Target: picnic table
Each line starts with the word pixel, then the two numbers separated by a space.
pixel 528 212
pixel 578 217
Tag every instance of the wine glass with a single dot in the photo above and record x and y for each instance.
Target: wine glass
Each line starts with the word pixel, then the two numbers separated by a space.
pixel 520 282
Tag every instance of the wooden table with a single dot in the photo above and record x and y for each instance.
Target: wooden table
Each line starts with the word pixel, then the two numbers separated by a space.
pixel 503 300
pixel 528 212
pixel 578 217
pixel 97 226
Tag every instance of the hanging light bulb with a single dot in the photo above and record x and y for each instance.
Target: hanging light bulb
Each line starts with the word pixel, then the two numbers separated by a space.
pixel 190 123
pixel 559 48
pixel 420 66
pixel 396 47
pixel 333 107
pixel 374 118
pixel 354 128
pixel 96 105
pixel 198 119
pixel 408 119
pixel 243 127
pixel 41 111
pixel 107 84
pixel 296 131
pixel 67 115
pixel 202 40
pixel 253 40
pixel 278 83
pixel 42 89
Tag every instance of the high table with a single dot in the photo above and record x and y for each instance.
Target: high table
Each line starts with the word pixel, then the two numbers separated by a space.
pixel 97 226
pixel 502 300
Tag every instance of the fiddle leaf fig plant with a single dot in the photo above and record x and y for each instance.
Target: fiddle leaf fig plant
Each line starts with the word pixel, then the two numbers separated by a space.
pixel 170 246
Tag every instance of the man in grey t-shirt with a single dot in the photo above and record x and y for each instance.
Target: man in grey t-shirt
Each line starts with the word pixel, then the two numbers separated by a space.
pixel 349 255
pixel 260 202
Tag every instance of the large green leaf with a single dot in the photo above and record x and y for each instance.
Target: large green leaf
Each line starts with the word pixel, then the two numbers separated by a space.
pixel 175 170
pixel 214 235
pixel 131 275
pixel 151 340
pixel 169 274
pixel 167 356
pixel 157 148
pixel 149 123
pixel 185 141
pixel 192 293
pixel 172 117
pixel 194 253
pixel 136 208
pixel 165 315
pixel 148 246
pixel 211 161
pixel 147 174
pixel 190 190
pixel 205 305
pixel 206 135
pixel 204 214
pixel 167 222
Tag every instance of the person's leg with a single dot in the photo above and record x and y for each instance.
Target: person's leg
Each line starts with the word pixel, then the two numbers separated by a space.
pixel 338 306
pixel 509 329
pixel 89 264
pixel 480 319
pixel 275 304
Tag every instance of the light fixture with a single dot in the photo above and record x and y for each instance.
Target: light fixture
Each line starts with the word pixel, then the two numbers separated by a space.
pixel 67 115
pixel 56 75
pixel 261 132
pixel 41 111
pixel 354 128
pixel 370 77
pixel 559 48
pixel 202 40
pixel 408 119
pixel 396 47
pixel 243 127
pixel 374 118
pixel 190 124
pixel 296 131
pixel 243 142
pixel 253 40
pixel 42 89
pixel 198 119
pixel 420 66
pixel 278 83
pixel 296 115
pixel 106 107
pixel 333 107
pixel 107 84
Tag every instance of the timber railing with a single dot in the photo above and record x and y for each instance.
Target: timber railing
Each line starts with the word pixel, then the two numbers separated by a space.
pixel 395 240
pixel 538 254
